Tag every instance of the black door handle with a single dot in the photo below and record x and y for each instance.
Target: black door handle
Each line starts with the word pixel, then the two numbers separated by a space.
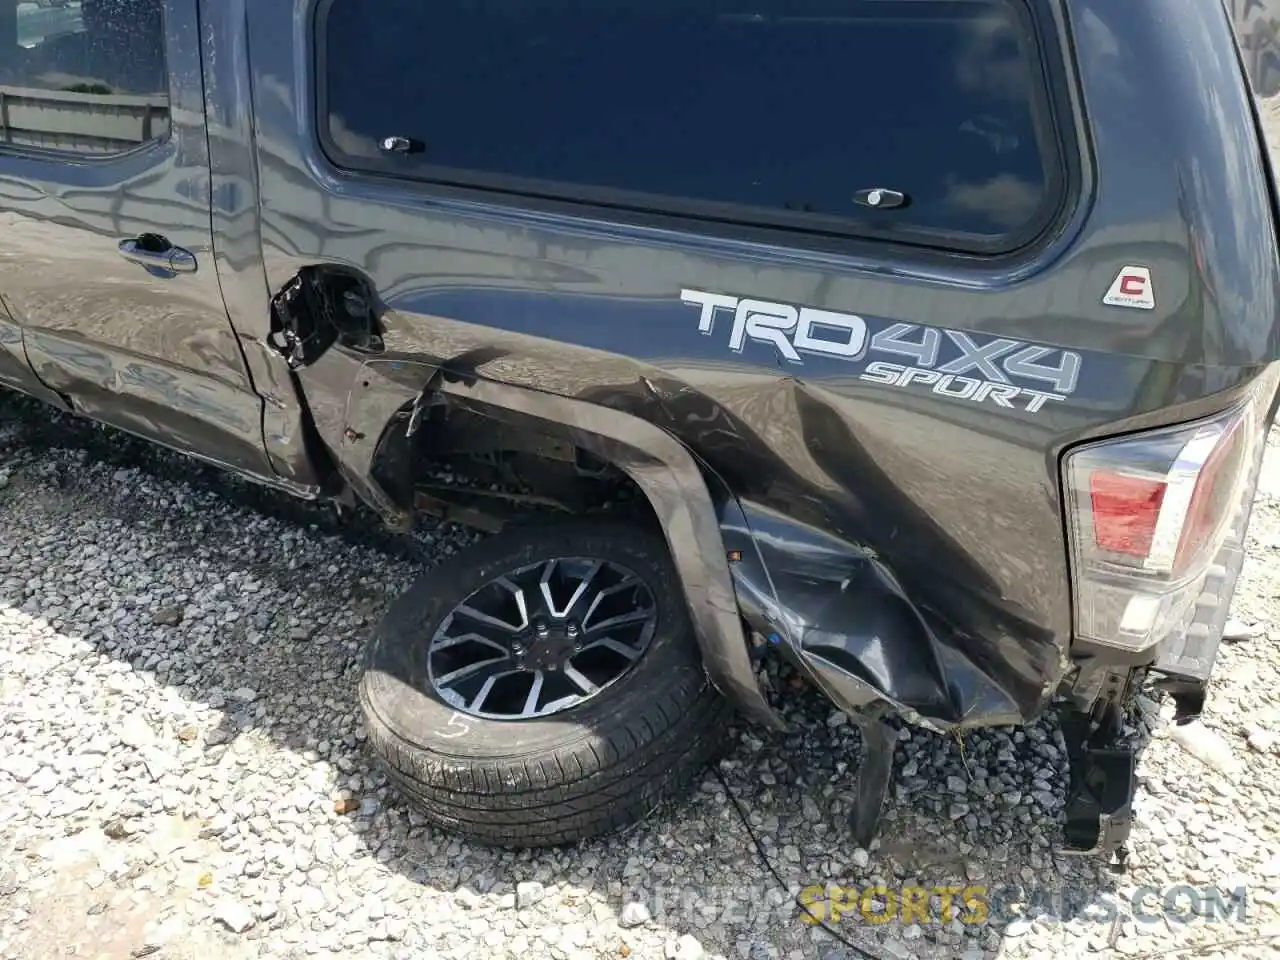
pixel 157 255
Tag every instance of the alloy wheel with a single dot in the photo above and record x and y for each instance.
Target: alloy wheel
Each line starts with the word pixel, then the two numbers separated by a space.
pixel 542 639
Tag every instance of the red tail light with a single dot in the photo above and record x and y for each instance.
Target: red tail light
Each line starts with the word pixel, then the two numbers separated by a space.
pixel 1125 511
pixel 1214 493
pixel 1148 513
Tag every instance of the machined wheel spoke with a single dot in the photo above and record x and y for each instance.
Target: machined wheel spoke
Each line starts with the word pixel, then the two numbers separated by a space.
pixel 473 614
pixel 635 616
pixel 478 700
pixel 521 605
pixel 564 703
pixel 578 680
pixel 608 643
pixel 582 587
pixel 584 583
pixel 447 642
pixel 531 701
pixel 544 587
pixel 626 584
pixel 470 670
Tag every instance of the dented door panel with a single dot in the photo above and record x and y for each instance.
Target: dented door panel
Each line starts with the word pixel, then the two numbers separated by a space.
pixel 15 371
pixel 140 346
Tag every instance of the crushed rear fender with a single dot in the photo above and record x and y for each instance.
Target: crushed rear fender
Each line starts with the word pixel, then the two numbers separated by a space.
pixel 929 634
pixel 844 618
pixel 660 465
pixel 834 607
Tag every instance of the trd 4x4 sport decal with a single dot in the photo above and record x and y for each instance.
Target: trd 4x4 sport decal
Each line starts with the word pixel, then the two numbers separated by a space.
pixel 951 363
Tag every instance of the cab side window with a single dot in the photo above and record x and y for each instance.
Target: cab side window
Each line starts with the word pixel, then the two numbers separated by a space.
pixel 920 120
pixel 82 77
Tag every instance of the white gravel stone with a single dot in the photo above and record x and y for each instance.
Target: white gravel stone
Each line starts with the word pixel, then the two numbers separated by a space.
pixel 1017 928
pixel 235 916
pixel 528 894
pixel 686 947
pixel 1207 746
pixel 136 732
pixel 20 768
pixel 1237 630
pixel 1263 741
pixel 467 898
pixel 633 914
pixel 160 935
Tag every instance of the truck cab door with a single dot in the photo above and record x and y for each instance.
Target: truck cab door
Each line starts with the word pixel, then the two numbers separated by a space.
pixel 106 250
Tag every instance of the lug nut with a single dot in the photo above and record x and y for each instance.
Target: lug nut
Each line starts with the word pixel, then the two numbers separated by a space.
pixel 517 648
pixel 543 631
pixel 572 630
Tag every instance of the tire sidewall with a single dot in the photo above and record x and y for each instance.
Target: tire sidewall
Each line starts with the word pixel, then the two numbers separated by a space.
pixel 396 691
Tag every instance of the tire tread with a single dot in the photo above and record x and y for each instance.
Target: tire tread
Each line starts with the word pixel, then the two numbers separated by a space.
pixel 597 781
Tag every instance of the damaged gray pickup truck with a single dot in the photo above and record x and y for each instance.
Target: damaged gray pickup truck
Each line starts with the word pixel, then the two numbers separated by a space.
pixel 930 344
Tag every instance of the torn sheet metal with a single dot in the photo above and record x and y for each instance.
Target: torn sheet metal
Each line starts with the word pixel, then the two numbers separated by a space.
pixel 842 615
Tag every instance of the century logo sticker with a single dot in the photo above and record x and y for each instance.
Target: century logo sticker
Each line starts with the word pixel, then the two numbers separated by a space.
pixel 1132 288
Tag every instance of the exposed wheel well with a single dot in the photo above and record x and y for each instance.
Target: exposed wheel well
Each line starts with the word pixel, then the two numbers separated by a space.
pixel 487 467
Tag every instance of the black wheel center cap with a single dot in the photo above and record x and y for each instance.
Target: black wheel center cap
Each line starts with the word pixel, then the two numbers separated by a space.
pixel 550 650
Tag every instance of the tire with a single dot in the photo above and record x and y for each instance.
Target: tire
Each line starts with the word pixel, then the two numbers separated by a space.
pixel 554 780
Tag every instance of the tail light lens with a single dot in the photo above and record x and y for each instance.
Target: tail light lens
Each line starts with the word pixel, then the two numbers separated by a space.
pixel 1148 513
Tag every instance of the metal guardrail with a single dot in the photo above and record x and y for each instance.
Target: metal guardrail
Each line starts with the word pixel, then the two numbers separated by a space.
pixel 83 122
